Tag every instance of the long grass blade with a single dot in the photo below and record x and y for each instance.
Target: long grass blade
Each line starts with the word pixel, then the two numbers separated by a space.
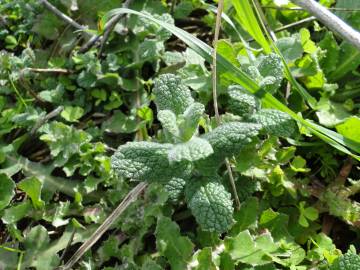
pixel 247 18
pixel 332 138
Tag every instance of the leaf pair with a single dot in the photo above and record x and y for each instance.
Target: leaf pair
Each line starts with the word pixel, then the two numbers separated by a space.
pixel 178 113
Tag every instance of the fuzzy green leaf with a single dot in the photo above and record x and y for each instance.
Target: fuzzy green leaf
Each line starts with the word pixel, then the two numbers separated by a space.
pixel 275 122
pixel 210 203
pixel 171 94
pixel 242 102
pixel 190 120
pixel 192 150
pixel 349 261
pixel 146 161
pixel 229 138
pixel 168 121
pixel 175 187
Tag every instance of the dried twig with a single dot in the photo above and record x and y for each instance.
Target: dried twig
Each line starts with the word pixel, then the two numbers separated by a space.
pixel 214 57
pixel 301 9
pixel 48 70
pixel 263 19
pixel 331 21
pixel 215 104
pixel 130 197
pixel 46 118
pixel 344 172
pixel 290 25
pixel 294 24
pixel 107 30
pixel 110 26
pixel 68 245
pixel 63 16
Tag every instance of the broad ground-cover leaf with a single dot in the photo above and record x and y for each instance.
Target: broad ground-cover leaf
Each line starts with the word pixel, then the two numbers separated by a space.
pixel 252 250
pixel 350 128
pixel 121 123
pixel 331 113
pixel 176 248
pixel 32 187
pixel 205 260
pixel 290 48
pixel 64 141
pixel 210 203
pixel 6 190
pixel 72 114
pixel 16 212
pixel 37 241
pixel 329 62
pixel 349 60
pixel 171 94
pixel 246 216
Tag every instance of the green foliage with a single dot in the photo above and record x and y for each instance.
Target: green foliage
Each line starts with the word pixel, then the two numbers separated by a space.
pixel 194 149
pixel 348 261
pixel 210 203
pixel 176 248
pixel 79 129
pixel 171 94
pixel 146 161
pixel 275 122
pixel 241 102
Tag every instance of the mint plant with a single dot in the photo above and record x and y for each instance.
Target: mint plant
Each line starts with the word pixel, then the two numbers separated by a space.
pixel 185 161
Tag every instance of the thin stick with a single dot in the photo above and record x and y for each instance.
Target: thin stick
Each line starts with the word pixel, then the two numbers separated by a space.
pixel 214 57
pixel 216 108
pixel 46 118
pixel 263 20
pixel 63 16
pixel 331 21
pixel 68 245
pixel 291 25
pixel 232 183
pixel 172 8
pixel 344 172
pixel 106 33
pixel 301 9
pixel 48 70
pixel 130 197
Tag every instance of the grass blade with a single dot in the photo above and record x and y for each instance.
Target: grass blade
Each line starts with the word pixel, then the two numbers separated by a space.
pixel 334 139
pixel 247 18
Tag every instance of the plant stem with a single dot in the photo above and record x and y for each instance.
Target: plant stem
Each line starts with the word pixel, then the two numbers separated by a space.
pixel 214 57
pixel 130 197
pixel 63 16
pixel 214 81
